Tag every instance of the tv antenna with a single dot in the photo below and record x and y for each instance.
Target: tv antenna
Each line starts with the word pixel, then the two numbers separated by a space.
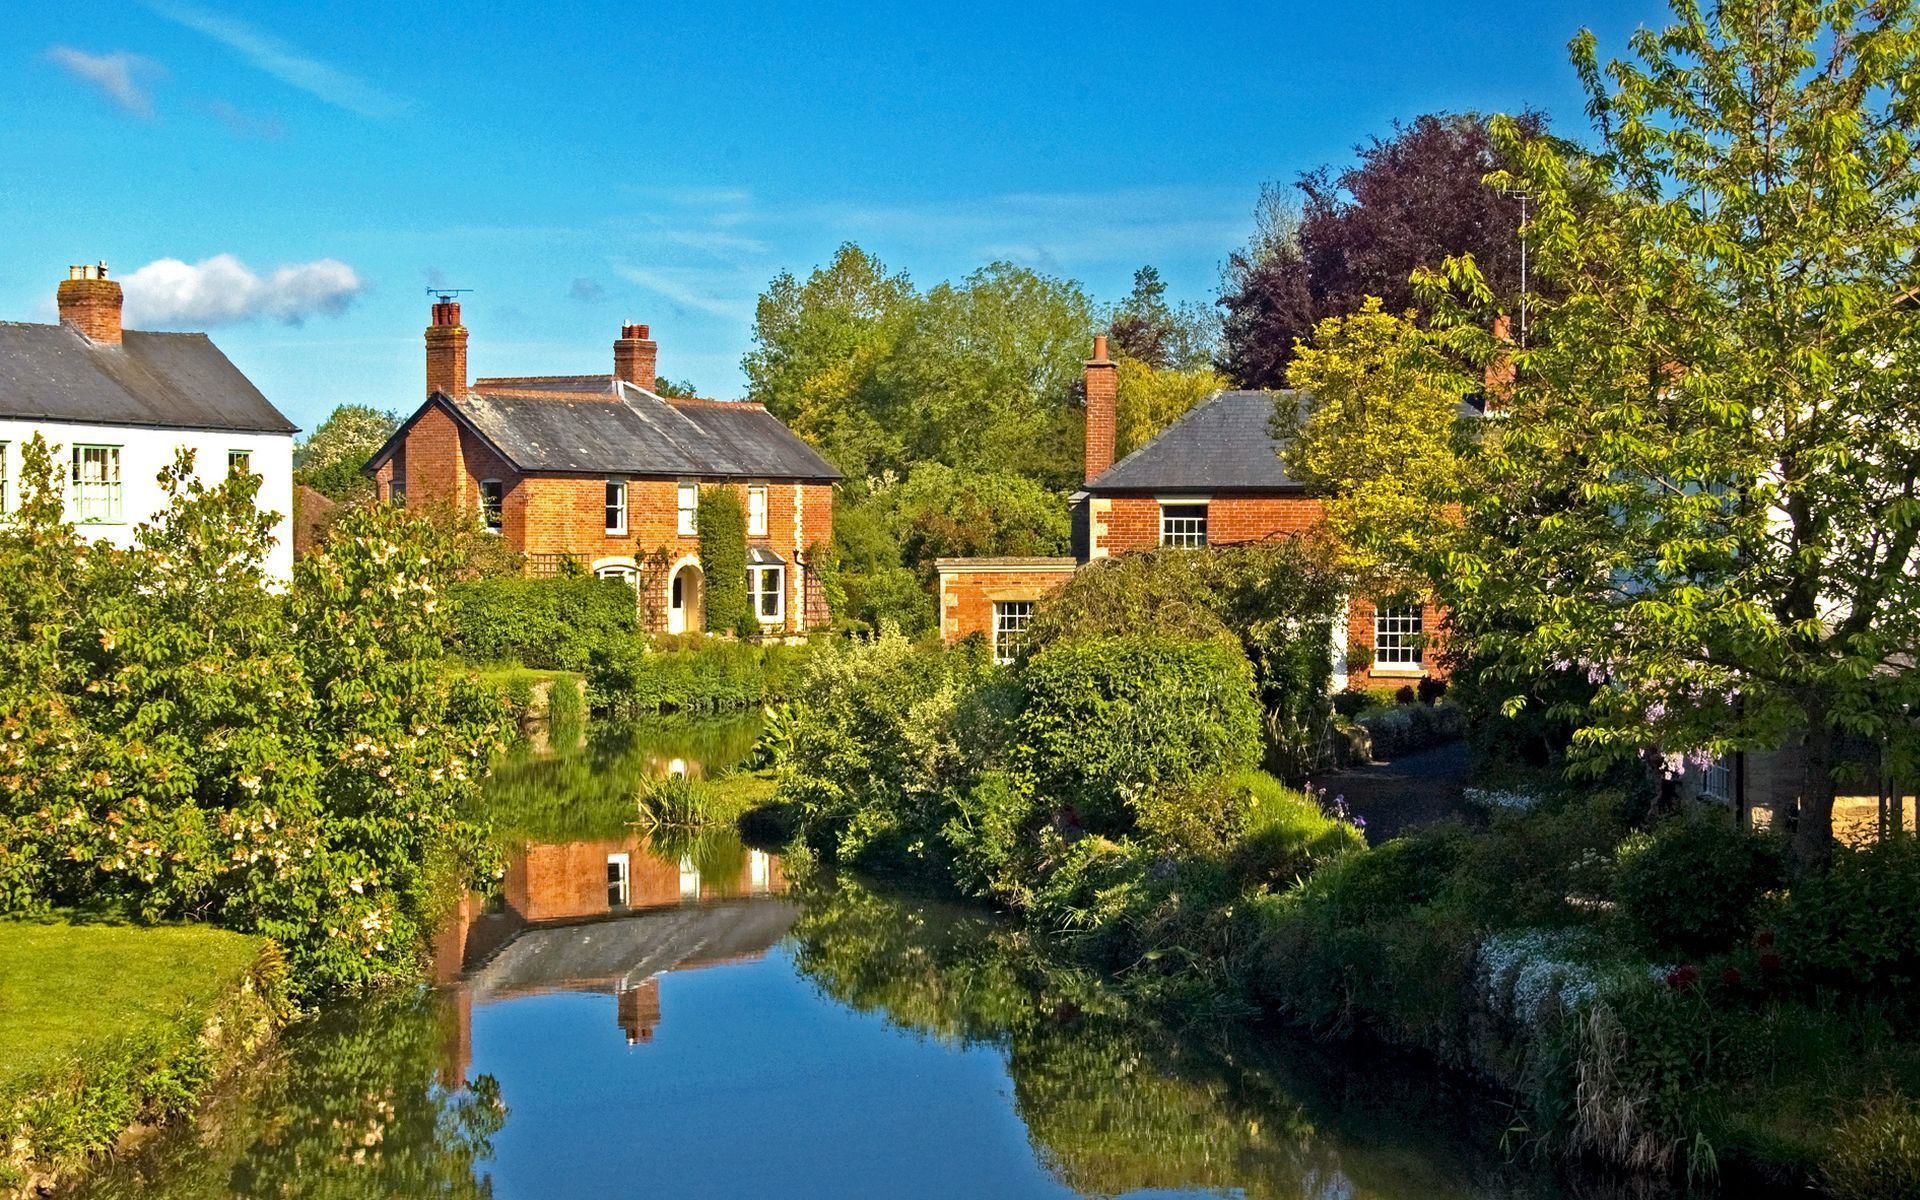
pixel 447 295
pixel 1524 198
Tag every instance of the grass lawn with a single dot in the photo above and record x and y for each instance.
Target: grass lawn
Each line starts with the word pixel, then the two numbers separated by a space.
pixel 66 988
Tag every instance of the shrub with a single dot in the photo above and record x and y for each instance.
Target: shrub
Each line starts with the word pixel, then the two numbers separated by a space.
pixel 1405 695
pixel 1691 885
pixel 1407 727
pixel 993 821
pixel 1111 720
pixel 1431 689
pixel 1524 869
pixel 1351 703
pixel 1856 924
pixel 1875 1153
pixel 710 676
pixel 723 563
pixel 554 624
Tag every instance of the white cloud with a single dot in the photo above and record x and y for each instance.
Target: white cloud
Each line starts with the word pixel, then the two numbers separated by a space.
pixel 222 290
pixel 728 294
pixel 286 63
pixel 116 76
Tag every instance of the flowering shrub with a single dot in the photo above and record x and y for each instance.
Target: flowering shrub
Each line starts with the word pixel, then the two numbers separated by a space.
pixel 1532 976
pixel 1504 799
pixel 180 739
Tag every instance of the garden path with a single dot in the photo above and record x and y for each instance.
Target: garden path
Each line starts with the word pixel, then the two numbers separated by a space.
pixel 1402 795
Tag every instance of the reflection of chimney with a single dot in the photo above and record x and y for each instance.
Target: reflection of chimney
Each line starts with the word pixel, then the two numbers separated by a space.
pixel 90 303
pixel 447 350
pixel 1103 398
pixel 1500 371
pixel 636 357
pixel 639 1011
pixel 456 1048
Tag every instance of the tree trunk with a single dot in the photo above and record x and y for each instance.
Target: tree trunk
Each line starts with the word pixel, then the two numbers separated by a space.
pixel 1813 836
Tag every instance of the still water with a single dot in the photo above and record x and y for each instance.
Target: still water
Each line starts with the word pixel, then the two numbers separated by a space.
pixel 632 1017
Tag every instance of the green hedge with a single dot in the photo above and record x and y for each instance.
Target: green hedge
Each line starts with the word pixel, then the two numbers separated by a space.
pixel 625 678
pixel 723 563
pixel 554 624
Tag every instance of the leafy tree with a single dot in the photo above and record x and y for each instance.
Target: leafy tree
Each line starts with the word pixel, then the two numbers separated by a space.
pixel 674 389
pixel 1146 328
pixel 943 512
pixel 1703 490
pixel 1150 399
pixel 723 563
pixel 1413 200
pixel 329 459
pixel 818 349
pixel 868 588
pixel 988 372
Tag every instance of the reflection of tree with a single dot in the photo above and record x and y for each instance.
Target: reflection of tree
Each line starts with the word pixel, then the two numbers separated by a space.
pixel 589 793
pixel 1114 1102
pixel 351 1106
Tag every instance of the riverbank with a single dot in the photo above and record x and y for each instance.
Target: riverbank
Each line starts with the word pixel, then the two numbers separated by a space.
pixel 107 1030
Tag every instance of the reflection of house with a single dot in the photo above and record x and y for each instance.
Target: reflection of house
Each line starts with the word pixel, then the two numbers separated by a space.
pixel 570 881
pixel 116 405
pixel 604 470
pixel 1212 478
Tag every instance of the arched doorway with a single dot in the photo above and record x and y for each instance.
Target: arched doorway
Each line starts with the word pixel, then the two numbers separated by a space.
pixel 686 599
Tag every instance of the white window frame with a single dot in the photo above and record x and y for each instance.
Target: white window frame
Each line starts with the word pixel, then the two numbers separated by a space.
pixel 619 880
pixel 757 510
pixel 6 449
pixel 1716 782
pixel 99 500
pixel 239 462
pixel 493 514
pixel 757 590
pixel 617 507
pixel 687 504
pixel 1011 620
pixel 1185 530
pixel 1397 634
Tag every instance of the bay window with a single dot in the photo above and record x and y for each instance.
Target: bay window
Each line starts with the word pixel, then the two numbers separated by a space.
pixel 767 585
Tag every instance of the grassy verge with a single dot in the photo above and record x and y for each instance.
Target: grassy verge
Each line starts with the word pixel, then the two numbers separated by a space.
pixel 105 1027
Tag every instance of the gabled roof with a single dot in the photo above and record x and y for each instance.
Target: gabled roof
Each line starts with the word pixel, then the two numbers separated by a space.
pixel 1223 443
pixel 159 380
pixel 592 425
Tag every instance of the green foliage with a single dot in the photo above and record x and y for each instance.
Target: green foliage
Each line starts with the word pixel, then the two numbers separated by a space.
pixel 1162 336
pixel 1109 721
pixel 1406 728
pixel 1856 925
pixel 943 512
pixel 1285 837
pixel 203 745
pixel 625 678
pixel 1547 867
pixel 329 459
pixel 1150 398
pixel 550 624
pixel 1876 1151
pixel 723 563
pixel 867 586
pixel 1693 884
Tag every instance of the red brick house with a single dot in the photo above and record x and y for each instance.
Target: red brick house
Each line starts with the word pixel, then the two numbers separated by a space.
pixel 1212 478
pixel 603 470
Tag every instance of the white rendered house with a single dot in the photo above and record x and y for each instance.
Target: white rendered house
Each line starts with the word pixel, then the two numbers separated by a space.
pixel 116 404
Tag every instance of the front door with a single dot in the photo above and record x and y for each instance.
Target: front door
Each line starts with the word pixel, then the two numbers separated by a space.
pixel 677 603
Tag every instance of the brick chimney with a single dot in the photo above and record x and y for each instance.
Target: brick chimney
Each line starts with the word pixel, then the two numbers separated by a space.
pixel 447 350
pixel 90 303
pixel 636 357
pixel 1500 373
pixel 1103 398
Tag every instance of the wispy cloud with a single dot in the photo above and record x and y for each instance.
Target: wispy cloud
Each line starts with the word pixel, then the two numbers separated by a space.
pixel 222 290
pixel 587 291
pixel 118 76
pixel 286 63
pixel 728 294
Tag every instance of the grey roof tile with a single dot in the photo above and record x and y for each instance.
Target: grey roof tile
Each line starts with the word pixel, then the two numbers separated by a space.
pixel 161 380
pixel 1223 443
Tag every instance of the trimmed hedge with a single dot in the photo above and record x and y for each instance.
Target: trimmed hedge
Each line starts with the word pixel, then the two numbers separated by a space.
pixel 551 624
pixel 723 563
pixel 627 679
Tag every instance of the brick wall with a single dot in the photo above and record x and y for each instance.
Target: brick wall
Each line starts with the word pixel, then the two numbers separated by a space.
pixel 967 596
pixel 1360 669
pixel 568 880
pixel 1123 523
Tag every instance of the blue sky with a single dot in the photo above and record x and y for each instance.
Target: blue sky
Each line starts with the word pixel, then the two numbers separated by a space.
pixel 293 178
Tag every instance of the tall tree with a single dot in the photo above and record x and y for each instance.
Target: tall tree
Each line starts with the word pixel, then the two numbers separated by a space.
pixel 1412 200
pixel 329 459
pixel 1705 490
pixel 1164 336
pixel 818 349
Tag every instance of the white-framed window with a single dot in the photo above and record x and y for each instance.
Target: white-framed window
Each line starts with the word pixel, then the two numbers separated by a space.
pixel 239 462
pixel 768 587
pixel 619 881
pixel 689 878
pixel 757 510
pixel 1396 636
pixel 1010 621
pixel 1717 783
pixel 5 475
pixel 95 492
pixel 1183 523
pixel 616 506
pixel 688 499
pixel 627 575
pixel 493 501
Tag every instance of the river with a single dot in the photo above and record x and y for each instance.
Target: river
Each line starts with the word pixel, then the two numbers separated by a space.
pixel 630 1017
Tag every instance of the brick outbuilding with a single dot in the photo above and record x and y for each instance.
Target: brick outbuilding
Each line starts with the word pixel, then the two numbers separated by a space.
pixel 607 472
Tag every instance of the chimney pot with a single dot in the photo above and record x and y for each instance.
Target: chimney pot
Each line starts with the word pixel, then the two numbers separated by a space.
pixel 90 303
pixel 1100 348
pixel 636 357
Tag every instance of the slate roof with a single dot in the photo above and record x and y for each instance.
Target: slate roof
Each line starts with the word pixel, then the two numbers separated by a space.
pixel 158 380
pixel 588 425
pixel 1222 444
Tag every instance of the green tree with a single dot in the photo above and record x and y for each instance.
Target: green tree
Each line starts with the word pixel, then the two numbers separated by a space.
pixel 818 349
pixel 1152 398
pixel 723 563
pixel 1704 490
pixel 1163 336
pixel 329 459
pixel 941 511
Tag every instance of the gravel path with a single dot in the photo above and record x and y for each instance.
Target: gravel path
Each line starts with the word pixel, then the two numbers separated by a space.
pixel 1411 791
